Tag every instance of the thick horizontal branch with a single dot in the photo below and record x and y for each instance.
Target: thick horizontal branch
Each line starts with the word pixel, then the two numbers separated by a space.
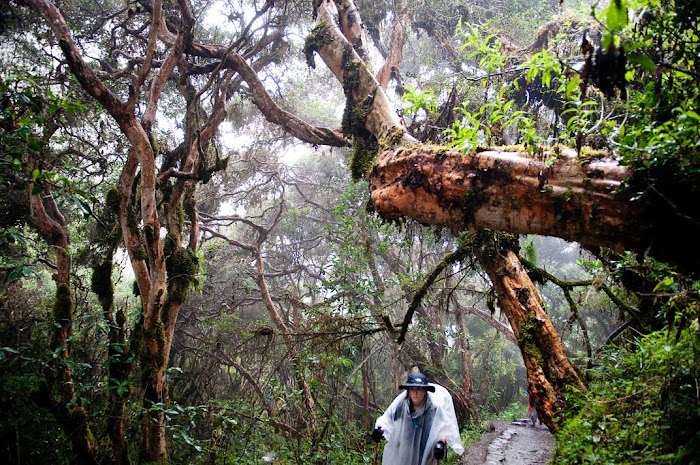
pixel 512 192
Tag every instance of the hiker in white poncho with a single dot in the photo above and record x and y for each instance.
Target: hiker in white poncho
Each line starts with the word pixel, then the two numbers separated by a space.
pixel 418 424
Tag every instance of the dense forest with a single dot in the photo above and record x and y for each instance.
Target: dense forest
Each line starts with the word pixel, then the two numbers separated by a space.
pixel 229 229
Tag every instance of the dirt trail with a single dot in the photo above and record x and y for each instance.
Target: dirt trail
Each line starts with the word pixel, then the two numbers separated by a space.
pixel 517 443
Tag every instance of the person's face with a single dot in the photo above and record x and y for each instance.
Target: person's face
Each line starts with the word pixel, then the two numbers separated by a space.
pixel 417 395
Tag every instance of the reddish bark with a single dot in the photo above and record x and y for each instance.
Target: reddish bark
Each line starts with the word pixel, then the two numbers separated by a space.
pixel 549 372
pixel 512 192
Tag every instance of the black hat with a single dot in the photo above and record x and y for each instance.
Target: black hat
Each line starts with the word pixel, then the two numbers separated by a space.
pixel 417 380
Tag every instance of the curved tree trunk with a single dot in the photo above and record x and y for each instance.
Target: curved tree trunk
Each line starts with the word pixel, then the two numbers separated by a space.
pixel 502 191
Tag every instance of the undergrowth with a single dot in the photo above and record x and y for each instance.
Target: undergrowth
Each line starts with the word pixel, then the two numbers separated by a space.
pixel 643 405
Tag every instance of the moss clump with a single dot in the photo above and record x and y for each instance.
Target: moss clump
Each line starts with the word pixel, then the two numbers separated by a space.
pixel 351 72
pixel 391 139
pixel 568 196
pixel 114 236
pixel 361 161
pixel 182 264
pixel 132 220
pixel 318 37
pixel 152 365
pixel 589 154
pixel 63 305
pixel 502 148
pixel 205 173
pixel 101 284
pixel 182 267
pixel 355 115
pixel 160 334
pixel 154 143
pixel 528 339
pixel 189 206
pixel 169 244
pixel 356 110
pixel 112 201
pixel 491 243
pixel 140 253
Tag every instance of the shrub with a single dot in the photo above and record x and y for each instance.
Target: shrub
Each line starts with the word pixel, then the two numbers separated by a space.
pixel 642 406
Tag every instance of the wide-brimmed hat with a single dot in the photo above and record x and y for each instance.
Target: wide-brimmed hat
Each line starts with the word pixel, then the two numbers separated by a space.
pixel 417 380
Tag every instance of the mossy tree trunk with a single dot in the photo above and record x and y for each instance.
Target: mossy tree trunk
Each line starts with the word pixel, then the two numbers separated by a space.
pixel 139 217
pixel 119 354
pixel 58 392
pixel 440 187
pixel 550 374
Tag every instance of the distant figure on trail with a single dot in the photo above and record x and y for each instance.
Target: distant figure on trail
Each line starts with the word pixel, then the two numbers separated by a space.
pixel 534 418
pixel 418 424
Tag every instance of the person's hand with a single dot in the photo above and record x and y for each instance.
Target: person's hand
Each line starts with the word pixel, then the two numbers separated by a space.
pixel 377 434
pixel 439 450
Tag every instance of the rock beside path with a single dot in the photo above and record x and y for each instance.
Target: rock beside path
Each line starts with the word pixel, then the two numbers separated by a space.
pixel 516 443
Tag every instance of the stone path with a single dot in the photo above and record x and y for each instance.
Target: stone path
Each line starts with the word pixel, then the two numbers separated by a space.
pixel 521 444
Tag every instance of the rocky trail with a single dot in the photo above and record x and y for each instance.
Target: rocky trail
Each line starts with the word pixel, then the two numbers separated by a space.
pixel 511 443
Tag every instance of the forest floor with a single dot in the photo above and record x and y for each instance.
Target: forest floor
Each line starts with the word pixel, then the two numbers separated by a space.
pixel 511 443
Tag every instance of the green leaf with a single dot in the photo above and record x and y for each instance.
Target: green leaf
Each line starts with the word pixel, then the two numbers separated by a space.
pixel 642 60
pixel 616 17
pixel 82 206
pixel 546 78
pixel 571 85
pixel 20 272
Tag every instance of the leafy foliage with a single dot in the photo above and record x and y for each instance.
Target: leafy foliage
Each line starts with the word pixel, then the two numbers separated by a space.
pixel 640 406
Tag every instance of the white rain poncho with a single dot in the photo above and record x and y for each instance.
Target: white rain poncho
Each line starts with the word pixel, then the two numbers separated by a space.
pixel 410 438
